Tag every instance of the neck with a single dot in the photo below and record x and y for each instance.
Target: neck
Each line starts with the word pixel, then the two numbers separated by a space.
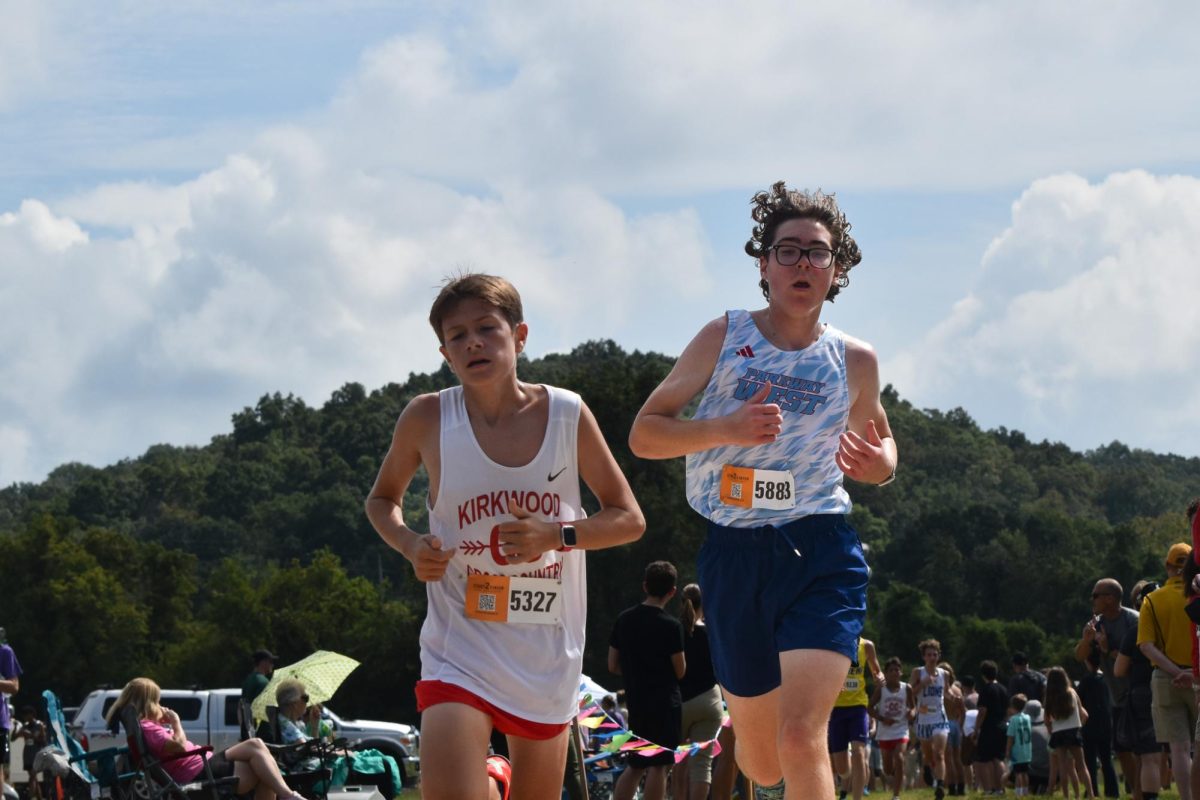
pixel 790 331
pixel 494 402
pixel 657 602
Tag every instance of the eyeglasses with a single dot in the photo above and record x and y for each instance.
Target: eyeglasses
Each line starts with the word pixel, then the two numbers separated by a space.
pixel 789 255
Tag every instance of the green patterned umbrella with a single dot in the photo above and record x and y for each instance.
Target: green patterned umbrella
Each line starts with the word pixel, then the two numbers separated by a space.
pixel 321 673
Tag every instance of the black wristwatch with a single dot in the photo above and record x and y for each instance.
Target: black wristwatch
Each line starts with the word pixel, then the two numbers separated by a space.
pixel 567 534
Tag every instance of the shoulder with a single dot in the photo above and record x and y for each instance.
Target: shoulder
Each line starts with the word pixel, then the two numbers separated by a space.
pixel 423 408
pixel 859 353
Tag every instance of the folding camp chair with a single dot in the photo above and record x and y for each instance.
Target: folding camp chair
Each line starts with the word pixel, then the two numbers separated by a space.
pixel 294 759
pixel 64 764
pixel 155 783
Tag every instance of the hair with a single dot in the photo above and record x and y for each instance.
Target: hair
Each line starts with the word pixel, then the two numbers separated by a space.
pixel 949 670
pixel 894 661
pixel 928 643
pixel 692 608
pixel 493 290
pixel 1109 586
pixel 988 669
pixel 773 207
pixel 1059 703
pixel 1140 590
pixel 143 695
pixel 967 681
pixel 608 702
pixel 660 578
pixel 288 691
pixel 1017 702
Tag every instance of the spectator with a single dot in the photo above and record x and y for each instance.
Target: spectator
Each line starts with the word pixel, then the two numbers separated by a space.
pixel 1165 637
pixel 250 760
pixel 1136 728
pixel 1039 764
pixel 1098 730
pixel 609 704
pixel 1019 747
pixel 646 649
pixel 1065 718
pixel 33 733
pixel 703 709
pixel 1103 634
pixel 262 666
pixel 930 684
pixel 1026 681
pixel 10 683
pixel 849 722
pixel 991 728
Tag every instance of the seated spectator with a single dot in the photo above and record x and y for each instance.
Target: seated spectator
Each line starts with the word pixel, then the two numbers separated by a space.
pixel 250 760
pixel 299 722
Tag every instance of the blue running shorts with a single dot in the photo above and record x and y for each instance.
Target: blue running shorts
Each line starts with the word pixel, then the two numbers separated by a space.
pixel 761 598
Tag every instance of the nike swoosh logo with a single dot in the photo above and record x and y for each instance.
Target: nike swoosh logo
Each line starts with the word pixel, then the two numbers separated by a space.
pixel 555 475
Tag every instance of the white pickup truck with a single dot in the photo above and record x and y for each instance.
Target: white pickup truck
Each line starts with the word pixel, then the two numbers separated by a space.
pixel 210 717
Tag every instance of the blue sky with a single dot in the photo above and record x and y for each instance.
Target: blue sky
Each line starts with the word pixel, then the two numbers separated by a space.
pixel 201 202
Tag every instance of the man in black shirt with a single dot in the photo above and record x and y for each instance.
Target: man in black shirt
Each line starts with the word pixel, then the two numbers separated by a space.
pixel 646 649
pixel 990 728
pixel 1026 681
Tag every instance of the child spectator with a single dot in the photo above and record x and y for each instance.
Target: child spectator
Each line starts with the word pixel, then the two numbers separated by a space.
pixel 1019 751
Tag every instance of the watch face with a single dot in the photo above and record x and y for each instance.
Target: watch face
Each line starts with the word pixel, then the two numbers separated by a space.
pixel 568 535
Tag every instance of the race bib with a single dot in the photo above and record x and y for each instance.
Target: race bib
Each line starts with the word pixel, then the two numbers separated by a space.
pixel 501 598
pixel 851 685
pixel 758 488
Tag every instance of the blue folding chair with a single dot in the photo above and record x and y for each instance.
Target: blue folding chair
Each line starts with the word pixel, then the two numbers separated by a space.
pixel 107 781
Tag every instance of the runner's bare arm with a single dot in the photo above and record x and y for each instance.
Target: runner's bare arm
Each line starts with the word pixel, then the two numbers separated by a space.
pixel 618 521
pixel 658 432
pixel 873 662
pixel 679 662
pixel 867 451
pixel 414 435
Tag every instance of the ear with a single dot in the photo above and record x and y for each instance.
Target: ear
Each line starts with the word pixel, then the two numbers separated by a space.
pixel 521 333
pixel 442 350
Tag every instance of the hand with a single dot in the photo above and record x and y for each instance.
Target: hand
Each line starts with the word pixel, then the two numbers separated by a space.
pixel 864 460
pixel 1089 630
pixel 1183 680
pixel 525 539
pixel 755 422
pixel 428 558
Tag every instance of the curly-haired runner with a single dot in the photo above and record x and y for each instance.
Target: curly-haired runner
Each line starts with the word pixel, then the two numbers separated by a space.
pixel 790 405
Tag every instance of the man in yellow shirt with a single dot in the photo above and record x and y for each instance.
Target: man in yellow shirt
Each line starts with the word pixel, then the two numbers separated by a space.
pixel 1165 637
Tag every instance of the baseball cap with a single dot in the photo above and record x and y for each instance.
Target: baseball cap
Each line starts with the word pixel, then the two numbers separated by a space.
pixel 1178 555
pixel 1034 709
pixel 263 655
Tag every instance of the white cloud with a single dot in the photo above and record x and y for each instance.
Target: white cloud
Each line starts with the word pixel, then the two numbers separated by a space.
pixel 278 271
pixel 1083 326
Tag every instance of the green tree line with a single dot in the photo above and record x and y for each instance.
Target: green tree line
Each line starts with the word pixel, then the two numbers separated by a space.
pixel 177 564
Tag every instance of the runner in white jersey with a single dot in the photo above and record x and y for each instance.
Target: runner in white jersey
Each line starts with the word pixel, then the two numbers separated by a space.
pixel 789 406
pixel 892 706
pixel 503 639
pixel 930 687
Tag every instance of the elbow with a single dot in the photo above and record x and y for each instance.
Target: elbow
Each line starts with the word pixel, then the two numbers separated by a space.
pixel 637 441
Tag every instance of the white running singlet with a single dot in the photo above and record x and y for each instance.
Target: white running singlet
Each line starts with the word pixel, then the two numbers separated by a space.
pixel 530 670
pixel 810 387
pixel 894 705
pixel 931 706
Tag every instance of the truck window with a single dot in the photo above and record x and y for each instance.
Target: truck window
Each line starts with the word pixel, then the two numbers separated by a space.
pixel 188 708
pixel 231 710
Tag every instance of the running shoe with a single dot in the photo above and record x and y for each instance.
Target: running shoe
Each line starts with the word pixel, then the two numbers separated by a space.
pixel 499 768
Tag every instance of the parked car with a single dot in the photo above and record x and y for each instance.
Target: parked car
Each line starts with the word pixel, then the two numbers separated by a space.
pixel 210 716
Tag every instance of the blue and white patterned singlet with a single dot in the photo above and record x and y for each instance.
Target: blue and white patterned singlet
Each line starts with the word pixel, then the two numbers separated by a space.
pixel 810 387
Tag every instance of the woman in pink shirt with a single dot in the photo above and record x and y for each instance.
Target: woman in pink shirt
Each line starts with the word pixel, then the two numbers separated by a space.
pixel 162 731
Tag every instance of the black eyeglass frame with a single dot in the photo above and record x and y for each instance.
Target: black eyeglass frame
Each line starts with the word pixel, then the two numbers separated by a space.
pixel 805 254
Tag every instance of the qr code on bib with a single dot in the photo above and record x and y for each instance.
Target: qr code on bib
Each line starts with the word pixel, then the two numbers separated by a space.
pixel 487 603
pixel 735 491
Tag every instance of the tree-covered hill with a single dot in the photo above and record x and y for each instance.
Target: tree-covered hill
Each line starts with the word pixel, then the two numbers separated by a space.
pixel 180 562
